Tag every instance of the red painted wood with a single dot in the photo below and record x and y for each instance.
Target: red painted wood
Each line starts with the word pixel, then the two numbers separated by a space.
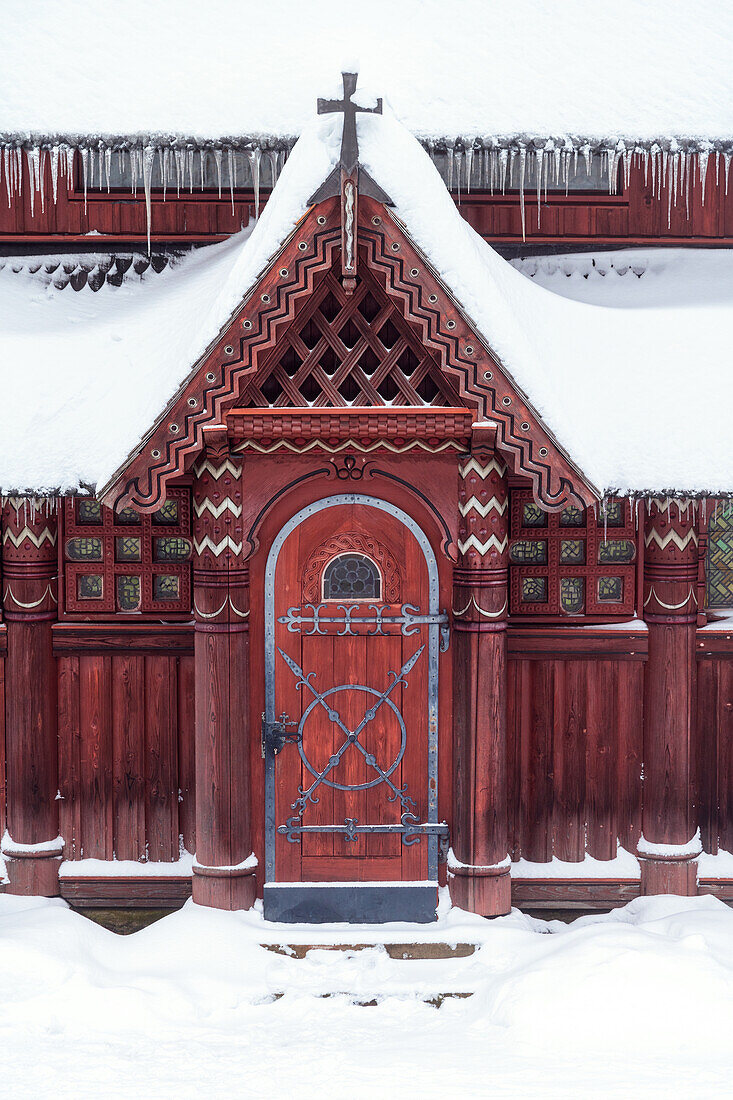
pixel 96 782
pixel 602 763
pixel 187 752
pixel 3 779
pixel 568 765
pixel 347 660
pixel 161 744
pixel 123 637
pixel 129 749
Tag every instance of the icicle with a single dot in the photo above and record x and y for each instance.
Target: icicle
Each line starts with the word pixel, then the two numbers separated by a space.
pixel 163 154
pixel 503 157
pixel 54 162
pixel 31 178
pixel 254 163
pixel 217 161
pixel 726 166
pixel 148 160
pixel 450 153
pixel 202 166
pixel 653 167
pixel 8 178
pixel 100 166
pixel 180 169
pixel 189 165
pixel 231 170
pixel 107 166
pixel 522 165
pixel 273 156
pixel 469 166
pixel 539 162
pixel 689 165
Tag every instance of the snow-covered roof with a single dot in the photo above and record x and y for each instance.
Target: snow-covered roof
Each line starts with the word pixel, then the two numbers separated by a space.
pixel 625 390
pixel 636 70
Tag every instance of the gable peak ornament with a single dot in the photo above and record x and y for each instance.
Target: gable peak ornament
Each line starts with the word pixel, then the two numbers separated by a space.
pixel 349 178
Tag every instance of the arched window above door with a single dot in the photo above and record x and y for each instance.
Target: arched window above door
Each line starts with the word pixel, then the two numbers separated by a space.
pixel 351 577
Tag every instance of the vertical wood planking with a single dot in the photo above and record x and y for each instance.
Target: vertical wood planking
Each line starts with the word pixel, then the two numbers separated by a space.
pixel 601 808
pixel 161 737
pixel 725 756
pixel 3 791
pixel 69 756
pixel 187 752
pixel 569 732
pixel 95 724
pixel 128 717
pixel 537 843
pixel 630 709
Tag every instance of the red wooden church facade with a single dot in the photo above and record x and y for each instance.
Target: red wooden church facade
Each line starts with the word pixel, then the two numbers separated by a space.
pixel 350 618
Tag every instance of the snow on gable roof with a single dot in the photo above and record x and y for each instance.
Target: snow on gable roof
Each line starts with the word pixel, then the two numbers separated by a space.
pixel 620 388
pixel 639 70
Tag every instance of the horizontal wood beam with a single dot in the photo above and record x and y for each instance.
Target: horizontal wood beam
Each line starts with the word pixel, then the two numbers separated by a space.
pixel 576 643
pixel 173 639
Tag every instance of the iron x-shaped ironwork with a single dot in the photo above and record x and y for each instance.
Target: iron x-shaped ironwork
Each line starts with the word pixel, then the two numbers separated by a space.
pixel 352 738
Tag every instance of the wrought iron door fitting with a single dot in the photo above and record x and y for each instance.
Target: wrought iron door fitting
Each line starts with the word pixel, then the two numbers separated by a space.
pixel 275 735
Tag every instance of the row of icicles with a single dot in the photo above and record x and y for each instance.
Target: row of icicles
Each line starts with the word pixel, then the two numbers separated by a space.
pixel 463 165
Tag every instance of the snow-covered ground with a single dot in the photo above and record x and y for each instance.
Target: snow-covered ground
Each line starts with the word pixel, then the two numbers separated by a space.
pixel 637 1003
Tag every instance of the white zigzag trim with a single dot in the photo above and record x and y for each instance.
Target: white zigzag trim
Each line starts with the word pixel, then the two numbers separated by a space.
pixel 482 471
pixel 216 471
pixel 216 510
pixel 680 541
pixel 26 533
pixel 492 543
pixel 347 444
pixel 227 543
pixel 492 505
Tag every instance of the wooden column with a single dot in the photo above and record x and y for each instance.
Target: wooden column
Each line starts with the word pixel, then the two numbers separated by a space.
pixel 224 872
pixel 670 610
pixel 32 847
pixel 479 865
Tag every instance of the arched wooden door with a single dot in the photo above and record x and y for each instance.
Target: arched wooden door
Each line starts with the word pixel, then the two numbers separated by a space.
pixel 350 731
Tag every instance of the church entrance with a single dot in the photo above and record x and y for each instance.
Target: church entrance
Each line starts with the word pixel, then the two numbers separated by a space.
pixel 353 631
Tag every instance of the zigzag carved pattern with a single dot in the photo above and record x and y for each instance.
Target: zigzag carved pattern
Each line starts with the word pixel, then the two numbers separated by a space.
pixel 440 325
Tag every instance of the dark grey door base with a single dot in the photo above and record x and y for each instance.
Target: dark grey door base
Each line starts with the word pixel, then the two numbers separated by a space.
pixel 350 902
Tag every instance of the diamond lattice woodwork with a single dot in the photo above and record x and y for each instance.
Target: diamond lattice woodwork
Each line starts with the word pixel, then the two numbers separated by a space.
pixel 344 350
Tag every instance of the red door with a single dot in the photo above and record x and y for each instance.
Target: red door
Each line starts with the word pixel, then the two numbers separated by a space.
pixel 349 696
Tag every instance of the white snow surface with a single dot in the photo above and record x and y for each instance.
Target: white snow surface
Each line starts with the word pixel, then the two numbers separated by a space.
pixel 614 384
pixel 635 69
pixel 638 1002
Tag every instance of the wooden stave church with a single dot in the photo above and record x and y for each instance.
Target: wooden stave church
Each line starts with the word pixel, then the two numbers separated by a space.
pixel 128 734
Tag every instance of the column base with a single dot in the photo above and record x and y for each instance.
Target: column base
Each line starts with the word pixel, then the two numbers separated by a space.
pixel 224 887
pixel 37 875
pixel 668 876
pixel 483 890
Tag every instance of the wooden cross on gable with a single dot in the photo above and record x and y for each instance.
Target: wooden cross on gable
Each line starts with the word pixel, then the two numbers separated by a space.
pixel 348 177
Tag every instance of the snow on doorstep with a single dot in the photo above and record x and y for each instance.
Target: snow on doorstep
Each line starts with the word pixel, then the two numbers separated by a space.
pixel 635 1003
pixel 460 69
pixel 693 847
pixel 718 866
pixel 615 385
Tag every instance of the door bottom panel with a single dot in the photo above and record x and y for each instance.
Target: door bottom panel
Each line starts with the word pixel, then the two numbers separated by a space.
pixel 350 902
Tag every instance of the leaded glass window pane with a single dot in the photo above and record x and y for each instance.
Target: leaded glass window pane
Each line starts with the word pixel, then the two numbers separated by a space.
pixel 84 549
pixel 572 517
pixel 351 577
pixel 166 586
pixel 610 589
pixel 168 514
pixel 533 516
pixel 89 586
pixel 128 517
pixel 534 589
pixel 572 594
pixel 719 566
pixel 88 511
pixel 615 550
pixel 128 593
pixel 127 548
pixel 529 552
pixel 611 514
pixel 171 548
pixel 572 551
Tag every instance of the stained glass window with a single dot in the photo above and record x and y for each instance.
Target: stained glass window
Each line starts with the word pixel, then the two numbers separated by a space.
pixel 84 549
pixel 574 568
pixel 529 550
pixel 110 558
pixel 719 564
pixel 351 577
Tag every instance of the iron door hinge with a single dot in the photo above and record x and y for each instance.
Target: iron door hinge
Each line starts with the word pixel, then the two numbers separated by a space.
pixel 275 735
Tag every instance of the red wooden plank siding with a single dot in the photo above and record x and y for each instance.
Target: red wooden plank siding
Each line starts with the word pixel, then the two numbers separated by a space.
pixel 186 754
pixel 574 749
pixel 128 709
pixel 636 216
pixel 125 752
pixel 3 780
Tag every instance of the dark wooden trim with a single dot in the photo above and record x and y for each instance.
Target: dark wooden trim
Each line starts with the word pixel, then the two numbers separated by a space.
pixel 563 642
pixel 720 888
pixel 173 639
pixel 3 640
pixel 556 893
pixel 711 642
pixel 164 892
